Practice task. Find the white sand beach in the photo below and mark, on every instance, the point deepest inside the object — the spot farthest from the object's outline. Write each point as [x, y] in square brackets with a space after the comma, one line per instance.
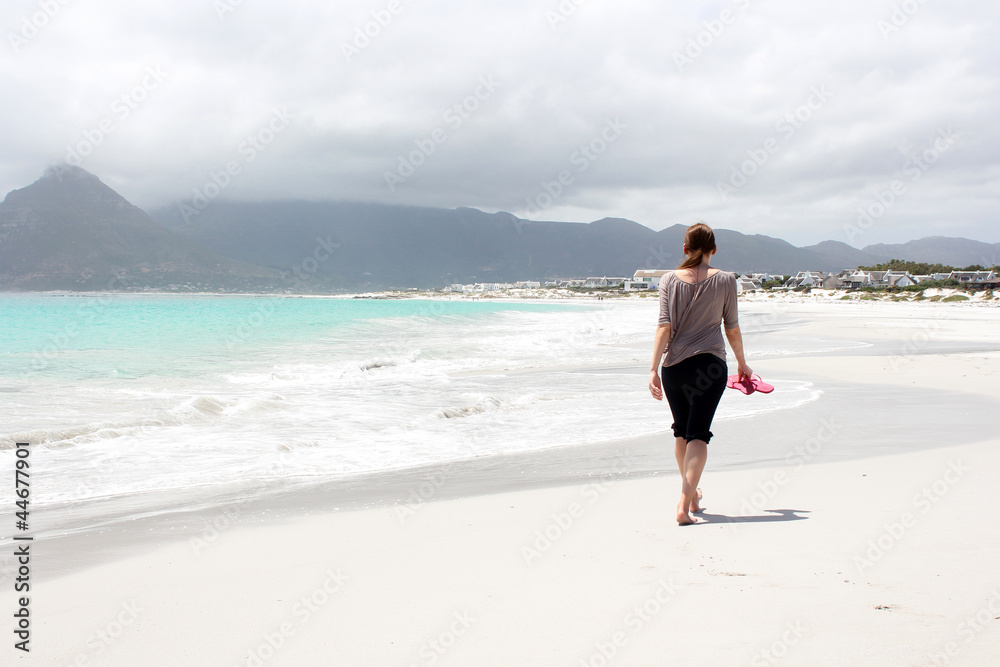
[816, 554]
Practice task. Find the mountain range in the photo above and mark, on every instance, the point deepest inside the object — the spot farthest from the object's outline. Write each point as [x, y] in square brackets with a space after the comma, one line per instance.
[68, 230]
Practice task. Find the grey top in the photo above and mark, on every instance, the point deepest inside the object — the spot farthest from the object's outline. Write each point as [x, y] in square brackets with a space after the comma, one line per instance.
[694, 311]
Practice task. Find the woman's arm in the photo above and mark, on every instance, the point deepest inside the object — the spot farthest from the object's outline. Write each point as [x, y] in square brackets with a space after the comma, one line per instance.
[736, 342]
[659, 345]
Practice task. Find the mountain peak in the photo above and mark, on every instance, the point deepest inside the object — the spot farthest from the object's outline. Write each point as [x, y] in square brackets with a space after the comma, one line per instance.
[65, 171]
[65, 184]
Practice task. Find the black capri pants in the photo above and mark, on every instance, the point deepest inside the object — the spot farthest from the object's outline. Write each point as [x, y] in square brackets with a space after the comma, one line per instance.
[693, 388]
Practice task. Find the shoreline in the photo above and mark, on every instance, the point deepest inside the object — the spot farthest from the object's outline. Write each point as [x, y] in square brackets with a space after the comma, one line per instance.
[889, 346]
[931, 295]
[837, 420]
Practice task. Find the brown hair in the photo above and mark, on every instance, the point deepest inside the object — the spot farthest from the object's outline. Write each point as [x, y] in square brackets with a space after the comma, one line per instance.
[700, 241]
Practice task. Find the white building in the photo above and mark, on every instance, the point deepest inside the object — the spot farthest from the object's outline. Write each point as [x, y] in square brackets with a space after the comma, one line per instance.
[973, 277]
[805, 279]
[898, 279]
[603, 281]
[645, 279]
[766, 277]
[489, 287]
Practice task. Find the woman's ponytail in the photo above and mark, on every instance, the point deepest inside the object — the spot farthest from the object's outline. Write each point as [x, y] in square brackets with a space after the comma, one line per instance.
[700, 241]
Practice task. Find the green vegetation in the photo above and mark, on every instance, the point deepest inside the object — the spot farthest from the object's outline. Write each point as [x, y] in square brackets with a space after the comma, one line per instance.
[920, 287]
[922, 268]
[955, 297]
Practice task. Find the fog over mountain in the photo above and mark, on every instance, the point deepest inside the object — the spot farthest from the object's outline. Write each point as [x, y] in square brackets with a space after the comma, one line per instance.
[68, 230]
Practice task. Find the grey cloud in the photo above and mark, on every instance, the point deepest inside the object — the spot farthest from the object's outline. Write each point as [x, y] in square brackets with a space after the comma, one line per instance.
[562, 76]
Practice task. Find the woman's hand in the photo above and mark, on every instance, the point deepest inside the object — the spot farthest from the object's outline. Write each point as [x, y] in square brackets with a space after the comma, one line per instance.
[745, 371]
[654, 386]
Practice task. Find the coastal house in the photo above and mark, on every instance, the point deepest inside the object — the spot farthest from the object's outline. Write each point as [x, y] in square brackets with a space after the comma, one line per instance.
[766, 277]
[898, 279]
[603, 281]
[877, 278]
[855, 279]
[527, 284]
[490, 287]
[744, 284]
[977, 278]
[645, 279]
[805, 279]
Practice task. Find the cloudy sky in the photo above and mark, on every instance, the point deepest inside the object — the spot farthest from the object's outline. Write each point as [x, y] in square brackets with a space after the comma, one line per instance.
[863, 121]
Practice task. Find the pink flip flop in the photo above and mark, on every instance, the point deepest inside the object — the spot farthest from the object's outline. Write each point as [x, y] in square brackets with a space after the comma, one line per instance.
[745, 386]
[759, 385]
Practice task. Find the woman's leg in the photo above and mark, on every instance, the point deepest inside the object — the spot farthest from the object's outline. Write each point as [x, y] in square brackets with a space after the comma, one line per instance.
[680, 448]
[680, 453]
[695, 456]
[705, 383]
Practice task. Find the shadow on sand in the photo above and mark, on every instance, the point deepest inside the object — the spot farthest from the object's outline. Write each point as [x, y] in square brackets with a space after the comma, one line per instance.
[775, 515]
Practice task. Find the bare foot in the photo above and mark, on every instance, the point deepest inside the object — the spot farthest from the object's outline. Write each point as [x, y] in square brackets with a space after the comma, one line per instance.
[683, 518]
[695, 504]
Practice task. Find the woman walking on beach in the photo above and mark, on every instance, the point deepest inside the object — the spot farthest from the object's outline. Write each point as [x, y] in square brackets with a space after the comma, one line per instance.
[694, 300]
